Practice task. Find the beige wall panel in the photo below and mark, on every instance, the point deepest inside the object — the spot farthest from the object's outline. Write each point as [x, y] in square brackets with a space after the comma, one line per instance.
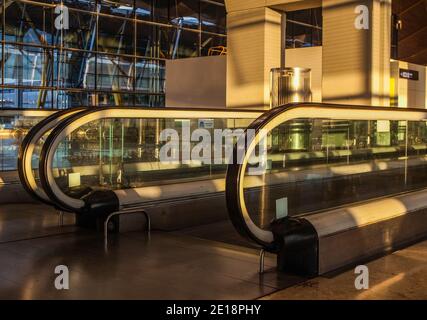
[381, 52]
[238, 5]
[356, 63]
[253, 50]
[346, 54]
[196, 82]
[308, 58]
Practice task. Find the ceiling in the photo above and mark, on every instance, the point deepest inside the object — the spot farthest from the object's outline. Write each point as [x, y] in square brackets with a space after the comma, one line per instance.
[413, 36]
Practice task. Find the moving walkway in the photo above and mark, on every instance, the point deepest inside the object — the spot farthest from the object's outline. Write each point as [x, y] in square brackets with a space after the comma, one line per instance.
[102, 160]
[356, 190]
[322, 186]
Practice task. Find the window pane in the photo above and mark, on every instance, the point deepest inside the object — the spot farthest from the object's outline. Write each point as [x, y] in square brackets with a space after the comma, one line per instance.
[87, 5]
[185, 13]
[143, 9]
[67, 99]
[304, 28]
[115, 99]
[115, 35]
[213, 45]
[146, 100]
[154, 41]
[114, 73]
[25, 98]
[185, 44]
[161, 11]
[150, 76]
[81, 32]
[28, 23]
[123, 8]
[73, 69]
[213, 17]
[27, 66]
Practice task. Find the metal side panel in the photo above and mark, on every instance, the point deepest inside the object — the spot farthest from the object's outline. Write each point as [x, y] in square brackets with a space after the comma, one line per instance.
[353, 234]
[184, 214]
[137, 196]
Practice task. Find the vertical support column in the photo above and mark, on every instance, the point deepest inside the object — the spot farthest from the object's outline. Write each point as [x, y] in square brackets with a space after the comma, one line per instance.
[356, 62]
[283, 40]
[253, 49]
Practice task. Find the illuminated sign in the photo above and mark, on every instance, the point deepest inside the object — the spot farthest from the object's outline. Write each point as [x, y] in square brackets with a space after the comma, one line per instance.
[409, 74]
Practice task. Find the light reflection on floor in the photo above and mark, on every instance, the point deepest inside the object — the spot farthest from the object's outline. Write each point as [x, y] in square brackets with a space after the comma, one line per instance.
[401, 275]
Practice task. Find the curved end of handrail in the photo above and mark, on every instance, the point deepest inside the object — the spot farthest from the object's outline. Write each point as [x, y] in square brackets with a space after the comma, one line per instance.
[22, 154]
[29, 140]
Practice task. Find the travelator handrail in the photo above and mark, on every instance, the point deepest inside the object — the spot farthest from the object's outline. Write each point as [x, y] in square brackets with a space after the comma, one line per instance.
[235, 189]
[27, 148]
[73, 122]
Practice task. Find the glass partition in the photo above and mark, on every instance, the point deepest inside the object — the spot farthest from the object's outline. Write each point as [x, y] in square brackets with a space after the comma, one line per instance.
[14, 125]
[308, 165]
[127, 153]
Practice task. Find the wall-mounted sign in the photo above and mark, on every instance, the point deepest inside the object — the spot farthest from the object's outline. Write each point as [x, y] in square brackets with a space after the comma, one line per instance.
[409, 74]
[206, 123]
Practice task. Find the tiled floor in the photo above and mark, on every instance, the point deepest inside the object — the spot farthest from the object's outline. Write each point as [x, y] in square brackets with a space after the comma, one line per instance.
[164, 266]
[401, 275]
[27, 221]
[207, 262]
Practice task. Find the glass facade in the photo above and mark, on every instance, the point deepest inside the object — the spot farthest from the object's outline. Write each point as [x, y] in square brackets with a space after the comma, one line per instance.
[112, 53]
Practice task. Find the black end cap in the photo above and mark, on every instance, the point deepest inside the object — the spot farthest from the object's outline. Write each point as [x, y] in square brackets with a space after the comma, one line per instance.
[100, 203]
[299, 246]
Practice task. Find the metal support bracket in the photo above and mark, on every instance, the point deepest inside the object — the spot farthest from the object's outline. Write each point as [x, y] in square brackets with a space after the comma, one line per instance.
[61, 218]
[118, 213]
[261, 261]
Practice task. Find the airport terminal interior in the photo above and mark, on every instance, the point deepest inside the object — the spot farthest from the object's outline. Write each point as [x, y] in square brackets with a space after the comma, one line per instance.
[213, 149]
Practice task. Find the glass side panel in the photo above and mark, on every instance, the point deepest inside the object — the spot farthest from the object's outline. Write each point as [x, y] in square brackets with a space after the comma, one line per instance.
[12, 131]
[125, 153]
[309, 165]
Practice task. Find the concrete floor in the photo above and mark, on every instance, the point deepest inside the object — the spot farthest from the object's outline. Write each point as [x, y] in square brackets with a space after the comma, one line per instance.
[134, 266]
